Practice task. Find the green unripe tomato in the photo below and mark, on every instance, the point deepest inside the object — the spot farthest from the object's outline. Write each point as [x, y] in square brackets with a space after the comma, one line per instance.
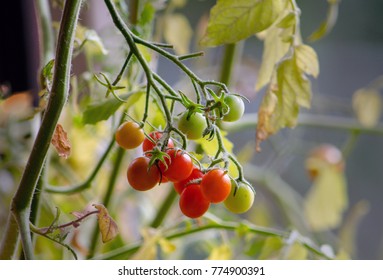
[242, 201]
[236, 108]
[192, 127]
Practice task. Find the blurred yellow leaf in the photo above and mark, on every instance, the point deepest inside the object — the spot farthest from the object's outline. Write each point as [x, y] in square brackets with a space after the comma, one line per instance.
[222, 252]
[296, 252]
[148, 248]
[271, 248]
[347, 234]
[178, 32]
[367, 105]
[166, 246]
[106, 224]
[61, 142]
[326, 200]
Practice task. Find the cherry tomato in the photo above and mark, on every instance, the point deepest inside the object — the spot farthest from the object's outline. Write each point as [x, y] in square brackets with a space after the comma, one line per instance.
[193, 203]
[236, 108]
[216, 185]
[180, 186]
[148, 145]
[129, 135]
[192, 127]
[179, 166]
[242, 200]
[140, 176]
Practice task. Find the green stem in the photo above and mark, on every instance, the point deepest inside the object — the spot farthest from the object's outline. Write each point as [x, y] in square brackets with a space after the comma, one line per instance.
[229, 59]
[107, 198]
[164, 209]
[22, 200]
[230, 226]
[249, 121]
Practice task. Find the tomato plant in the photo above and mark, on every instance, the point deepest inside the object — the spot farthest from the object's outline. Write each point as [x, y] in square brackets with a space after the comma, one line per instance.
[216, 185]
[141, 176]
[129, 135]
[192, 146]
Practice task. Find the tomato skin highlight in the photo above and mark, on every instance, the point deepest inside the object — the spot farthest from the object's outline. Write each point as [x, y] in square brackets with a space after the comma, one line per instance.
[140, 177]
[148, 145]
[193, 203]
[129, 135]
[216, 185]
[180, 186]
[179, 166]
[242, 201]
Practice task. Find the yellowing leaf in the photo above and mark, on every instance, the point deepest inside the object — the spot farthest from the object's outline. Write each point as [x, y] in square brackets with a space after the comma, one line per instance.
[326, 200]
[307, 60]
[275, 48]
[271, 248]
[222, 252]
[367, 105]
[106, 224]
[328, 24]
[348, 232]
[148, 248]
[296, 252]
[166, 246]
[288, 90]
[231, 21]
[92, 42]
[178, 32]
[61, 142]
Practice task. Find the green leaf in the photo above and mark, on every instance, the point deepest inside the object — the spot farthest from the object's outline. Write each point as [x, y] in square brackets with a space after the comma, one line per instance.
[178, 32]
[103, 110]
[275, 48]
[326, 200]
[231, 21]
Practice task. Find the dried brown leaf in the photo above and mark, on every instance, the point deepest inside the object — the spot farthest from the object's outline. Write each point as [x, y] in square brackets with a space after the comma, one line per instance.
[61, 142]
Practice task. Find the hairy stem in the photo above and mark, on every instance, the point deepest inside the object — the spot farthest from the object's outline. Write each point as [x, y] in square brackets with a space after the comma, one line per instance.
[21, 202]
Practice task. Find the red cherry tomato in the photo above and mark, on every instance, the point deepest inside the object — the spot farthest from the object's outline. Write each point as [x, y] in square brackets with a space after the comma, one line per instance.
[140, 177]
[180, 186]
[193, 203]
[179, 166]
[216, 185]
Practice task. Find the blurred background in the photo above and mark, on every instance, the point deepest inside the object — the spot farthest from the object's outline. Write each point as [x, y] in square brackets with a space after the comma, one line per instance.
[351, 58]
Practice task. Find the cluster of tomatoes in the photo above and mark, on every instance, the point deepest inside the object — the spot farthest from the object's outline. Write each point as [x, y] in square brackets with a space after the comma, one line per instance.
[162, 162]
